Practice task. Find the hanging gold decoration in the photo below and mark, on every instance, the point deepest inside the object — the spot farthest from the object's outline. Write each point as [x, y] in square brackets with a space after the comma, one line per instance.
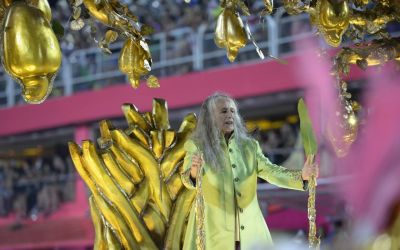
[342, 129]
[295, 7]
[355, 20]
[373, 53]
[135, 60]
[152, 82]
[337, 18]
[376, 52]
[268, 7]
[138, 200]
[332, 20]
[313, 241]
[30, 50]
[230, 33]
[37, 58]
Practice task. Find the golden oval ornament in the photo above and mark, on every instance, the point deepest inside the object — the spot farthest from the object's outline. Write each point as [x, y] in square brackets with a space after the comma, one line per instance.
[30, 50]
[42, 5]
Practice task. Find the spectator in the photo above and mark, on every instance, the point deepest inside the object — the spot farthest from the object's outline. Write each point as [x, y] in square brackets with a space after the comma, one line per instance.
[31, 187]
[270, 144]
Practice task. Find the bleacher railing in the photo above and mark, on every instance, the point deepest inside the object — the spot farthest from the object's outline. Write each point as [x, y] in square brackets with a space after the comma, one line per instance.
[177, 52]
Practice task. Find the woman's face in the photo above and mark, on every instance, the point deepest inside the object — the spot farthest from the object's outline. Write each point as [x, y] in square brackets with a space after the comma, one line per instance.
[225, 113]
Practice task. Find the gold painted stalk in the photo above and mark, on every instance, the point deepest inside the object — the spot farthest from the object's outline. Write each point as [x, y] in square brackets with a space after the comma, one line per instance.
[134, 118]
[99, 226]
[125, 233]
[313, 240]
[174, 184]
[155, 224]
[150, 168]
[125, 183]
[129, 166]
[177, 153]
[177, 222]
[160, 114]
[96, 170]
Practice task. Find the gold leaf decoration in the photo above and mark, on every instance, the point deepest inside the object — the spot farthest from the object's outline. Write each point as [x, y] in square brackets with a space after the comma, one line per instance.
[268, 7]
[146, 30]
[77, 24]
[76, 13]
[111, 36]
[152, 82]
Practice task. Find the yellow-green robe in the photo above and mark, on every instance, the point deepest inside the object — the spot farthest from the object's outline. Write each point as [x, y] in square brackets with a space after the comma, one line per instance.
[232, 193]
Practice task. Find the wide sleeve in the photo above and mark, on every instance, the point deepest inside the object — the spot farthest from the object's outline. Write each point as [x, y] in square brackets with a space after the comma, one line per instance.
[191, 149]
[278, 175]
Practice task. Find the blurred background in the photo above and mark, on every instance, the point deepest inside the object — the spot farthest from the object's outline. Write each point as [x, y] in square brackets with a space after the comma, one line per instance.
[43, 201]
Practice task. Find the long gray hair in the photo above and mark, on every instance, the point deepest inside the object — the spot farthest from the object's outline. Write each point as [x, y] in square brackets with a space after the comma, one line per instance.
[209, 138]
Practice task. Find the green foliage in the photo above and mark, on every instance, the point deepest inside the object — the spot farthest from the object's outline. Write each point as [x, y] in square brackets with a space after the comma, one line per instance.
[306, 129]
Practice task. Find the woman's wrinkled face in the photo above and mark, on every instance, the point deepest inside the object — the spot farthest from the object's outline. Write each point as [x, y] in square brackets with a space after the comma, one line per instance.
[225, 113]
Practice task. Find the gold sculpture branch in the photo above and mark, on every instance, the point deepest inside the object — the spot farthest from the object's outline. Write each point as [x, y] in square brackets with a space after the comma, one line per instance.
[313, 240]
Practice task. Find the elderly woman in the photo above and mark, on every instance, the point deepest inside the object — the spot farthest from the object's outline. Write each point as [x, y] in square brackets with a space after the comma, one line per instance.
[229, 162]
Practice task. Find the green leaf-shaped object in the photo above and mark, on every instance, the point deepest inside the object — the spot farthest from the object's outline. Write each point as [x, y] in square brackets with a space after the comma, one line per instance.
[306, 129]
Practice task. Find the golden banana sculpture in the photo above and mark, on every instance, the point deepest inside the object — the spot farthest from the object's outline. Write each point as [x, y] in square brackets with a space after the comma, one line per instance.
[138, 200]
[30, 52]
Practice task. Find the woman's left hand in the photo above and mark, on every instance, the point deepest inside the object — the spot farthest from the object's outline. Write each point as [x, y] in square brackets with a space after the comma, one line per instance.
[309, 169]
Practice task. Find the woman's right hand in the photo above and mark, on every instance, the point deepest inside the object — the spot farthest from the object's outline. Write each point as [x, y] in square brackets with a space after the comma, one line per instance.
[197, 161]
